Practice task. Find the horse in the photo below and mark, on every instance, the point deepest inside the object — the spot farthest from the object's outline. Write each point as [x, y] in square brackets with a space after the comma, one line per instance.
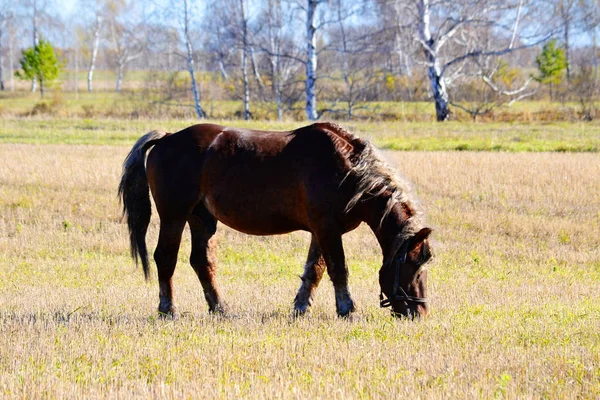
[319, 178]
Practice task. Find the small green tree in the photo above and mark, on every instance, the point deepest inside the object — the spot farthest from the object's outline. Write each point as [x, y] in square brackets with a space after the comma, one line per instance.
[39, 62]
[551, 64]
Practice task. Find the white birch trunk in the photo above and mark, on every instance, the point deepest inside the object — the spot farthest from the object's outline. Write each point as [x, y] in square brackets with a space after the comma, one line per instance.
[77, 70]
[400, 53]
[245, 61]
[120, 68]
[436, 80]
[95, 45]
[224, 73]
[2, 88]
[36, 40]
[345, 66]
[257, 76]
[311, 60]
[275, 26]
[595, 57]
[11, 62]
[407, 67]
[190, 60]
[278, 87]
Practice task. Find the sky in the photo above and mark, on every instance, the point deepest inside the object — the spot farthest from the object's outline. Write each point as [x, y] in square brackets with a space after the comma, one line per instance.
[68, 7]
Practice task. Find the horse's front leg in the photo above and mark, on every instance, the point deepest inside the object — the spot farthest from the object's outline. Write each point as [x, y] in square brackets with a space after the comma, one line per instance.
[313, 272]
[333, 253]
[165, 256]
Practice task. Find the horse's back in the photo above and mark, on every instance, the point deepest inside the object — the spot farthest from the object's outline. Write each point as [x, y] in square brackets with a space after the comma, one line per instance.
[257, 182]
[251, 182]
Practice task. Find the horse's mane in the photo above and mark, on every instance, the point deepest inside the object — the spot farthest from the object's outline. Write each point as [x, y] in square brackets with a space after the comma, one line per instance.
[375, 177]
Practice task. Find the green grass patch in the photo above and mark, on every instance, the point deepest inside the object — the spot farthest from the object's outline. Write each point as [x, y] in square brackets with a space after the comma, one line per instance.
[422, 136]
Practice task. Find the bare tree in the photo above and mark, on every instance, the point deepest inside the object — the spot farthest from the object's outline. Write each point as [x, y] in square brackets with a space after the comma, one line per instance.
[592, 25]
[284, 57]
[567, 12]
[190, 57]
[219, 42]
[126, 35]
[11, 61]
[245, 50]
[311, 58]
[5, 18]
[313, 23]
[94, 12]
[95, 46]
[352, 45]
[237, 31]
[256, 69]
[274, 32]
[449, 35]
[173, 27]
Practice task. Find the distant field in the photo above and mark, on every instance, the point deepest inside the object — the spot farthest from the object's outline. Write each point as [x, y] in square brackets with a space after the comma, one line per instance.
[512, 137]
[515, 288]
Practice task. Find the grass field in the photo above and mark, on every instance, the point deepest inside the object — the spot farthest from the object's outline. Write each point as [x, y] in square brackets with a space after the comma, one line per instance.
[515, 287]
[393, 135]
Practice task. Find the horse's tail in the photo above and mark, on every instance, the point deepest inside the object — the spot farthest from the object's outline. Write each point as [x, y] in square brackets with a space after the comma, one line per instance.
[135, 196]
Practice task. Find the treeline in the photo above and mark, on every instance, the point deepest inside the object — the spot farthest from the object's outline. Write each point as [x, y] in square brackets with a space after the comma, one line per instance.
[472, 55]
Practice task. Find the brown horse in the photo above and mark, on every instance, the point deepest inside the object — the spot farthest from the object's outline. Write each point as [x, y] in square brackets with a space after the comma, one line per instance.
[320, 178]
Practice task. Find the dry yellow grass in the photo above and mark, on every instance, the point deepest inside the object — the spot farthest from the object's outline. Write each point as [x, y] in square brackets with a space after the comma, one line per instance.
[515, 292]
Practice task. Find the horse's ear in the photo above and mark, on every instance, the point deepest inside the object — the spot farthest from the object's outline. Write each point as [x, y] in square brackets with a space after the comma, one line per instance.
[421, 236]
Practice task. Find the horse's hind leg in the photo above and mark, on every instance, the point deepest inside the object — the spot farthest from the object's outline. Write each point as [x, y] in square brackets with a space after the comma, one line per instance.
[204, 258]
[313, 272]
[165, 256]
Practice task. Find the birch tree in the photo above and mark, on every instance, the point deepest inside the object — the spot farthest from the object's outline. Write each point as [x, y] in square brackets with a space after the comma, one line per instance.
[94, 12]
[37, 19]
[36, 36]
[353, 46]
[190, 57]
[311, 58]
[177, 17]
[5, 19]
[236, 29]
[95, 46]
[245, 51]
[36, 9]
[447, 32]
[274, 40]
[592, 25]
[316, 20]
[127, 37]
[285, 58]
[219, 42]
[568, 13]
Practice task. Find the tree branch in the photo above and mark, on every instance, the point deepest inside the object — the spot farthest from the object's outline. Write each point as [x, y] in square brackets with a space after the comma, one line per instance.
[483, 53]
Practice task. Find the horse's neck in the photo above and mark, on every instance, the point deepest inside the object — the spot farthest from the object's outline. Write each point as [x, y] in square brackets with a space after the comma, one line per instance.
[386, 227]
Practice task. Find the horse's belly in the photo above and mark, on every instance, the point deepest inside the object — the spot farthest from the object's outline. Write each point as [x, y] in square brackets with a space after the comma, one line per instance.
[255, 216]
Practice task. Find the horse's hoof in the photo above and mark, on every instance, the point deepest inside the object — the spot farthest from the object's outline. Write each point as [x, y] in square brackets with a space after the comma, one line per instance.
[172, 314]
[300, 310]
[345, 309]
[219, 309]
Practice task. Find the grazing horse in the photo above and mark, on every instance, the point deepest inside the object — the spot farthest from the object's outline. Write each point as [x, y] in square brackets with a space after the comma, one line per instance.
[319, 178]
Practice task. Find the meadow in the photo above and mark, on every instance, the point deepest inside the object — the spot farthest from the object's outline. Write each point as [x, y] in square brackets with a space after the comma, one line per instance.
[514, 288]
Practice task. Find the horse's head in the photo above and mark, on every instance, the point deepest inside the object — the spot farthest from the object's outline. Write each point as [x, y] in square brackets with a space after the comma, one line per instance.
[403, 278]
